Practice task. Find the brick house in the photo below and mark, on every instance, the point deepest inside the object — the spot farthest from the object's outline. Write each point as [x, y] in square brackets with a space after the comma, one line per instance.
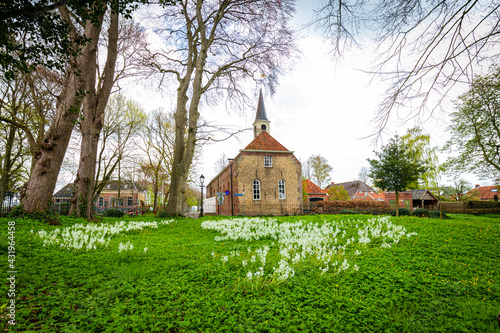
[314, 192]
[487, 193]
[131, 194]
[265, 178]
[358, 190]
[405, 199]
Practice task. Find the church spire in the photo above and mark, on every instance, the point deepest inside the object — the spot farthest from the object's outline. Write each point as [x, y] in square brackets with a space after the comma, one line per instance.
[261, 123]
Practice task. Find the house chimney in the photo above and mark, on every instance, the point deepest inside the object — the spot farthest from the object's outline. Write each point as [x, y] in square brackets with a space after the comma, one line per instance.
[478, 186]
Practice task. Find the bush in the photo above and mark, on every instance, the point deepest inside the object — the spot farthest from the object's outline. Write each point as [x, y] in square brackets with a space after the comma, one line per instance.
[164, 215]
[358, 206]
[46, 217]
[436, 214]
[347, 211]
[402, 212]
[113, 212]
[420, 212]
[483, 204]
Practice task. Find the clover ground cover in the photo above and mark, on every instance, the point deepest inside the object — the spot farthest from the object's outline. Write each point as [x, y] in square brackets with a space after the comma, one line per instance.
[414, 275]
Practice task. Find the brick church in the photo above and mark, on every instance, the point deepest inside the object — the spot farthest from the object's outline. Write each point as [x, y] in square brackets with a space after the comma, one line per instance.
[265, 178]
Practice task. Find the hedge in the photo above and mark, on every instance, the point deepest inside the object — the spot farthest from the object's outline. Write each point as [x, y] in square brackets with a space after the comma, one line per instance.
[483, 204]
[358, 206]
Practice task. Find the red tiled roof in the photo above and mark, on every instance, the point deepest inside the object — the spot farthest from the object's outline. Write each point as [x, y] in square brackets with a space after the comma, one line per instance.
[264, 141]
[487, 192]
[310, 187]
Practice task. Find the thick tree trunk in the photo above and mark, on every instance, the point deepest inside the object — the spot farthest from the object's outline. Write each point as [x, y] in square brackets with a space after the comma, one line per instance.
[94, 106]
[38, 194]
[7, 163]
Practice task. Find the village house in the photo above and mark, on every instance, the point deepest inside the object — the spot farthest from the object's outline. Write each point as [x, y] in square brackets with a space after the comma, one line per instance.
[265, 178]
[314, 192]
[358, 190]
[114, 193]
[487, 193]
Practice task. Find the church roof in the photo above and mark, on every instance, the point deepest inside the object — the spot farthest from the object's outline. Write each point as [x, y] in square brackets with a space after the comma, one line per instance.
[264, 141]
[261, 109]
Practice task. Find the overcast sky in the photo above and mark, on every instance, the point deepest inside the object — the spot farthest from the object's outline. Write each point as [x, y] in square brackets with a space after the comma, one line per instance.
[321, 107]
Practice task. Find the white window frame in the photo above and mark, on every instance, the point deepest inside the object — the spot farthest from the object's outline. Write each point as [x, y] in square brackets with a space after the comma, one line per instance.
[281, 189]
[268, 161]
[256, 189]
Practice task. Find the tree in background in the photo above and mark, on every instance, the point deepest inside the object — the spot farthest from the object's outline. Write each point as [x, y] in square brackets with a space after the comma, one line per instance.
[426, 47]
[158, 141]
[320, 169]
[363, 175]
[213, 48]
[221, 163]
[123, 122]
[418, 144]
[395, 168]
[338, 193]
[475, 129]
[459, 189]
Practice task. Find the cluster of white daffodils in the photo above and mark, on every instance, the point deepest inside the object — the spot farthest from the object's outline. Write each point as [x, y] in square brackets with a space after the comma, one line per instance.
[328, 244]
[125, 247]
[91, 236]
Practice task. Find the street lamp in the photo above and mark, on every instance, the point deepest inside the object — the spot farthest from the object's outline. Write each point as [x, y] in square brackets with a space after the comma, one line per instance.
[202, 179]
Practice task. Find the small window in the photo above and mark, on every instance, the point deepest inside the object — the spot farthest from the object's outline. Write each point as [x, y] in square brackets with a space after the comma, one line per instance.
[268, 161]
[101, 201]
[263, 127]
[281, 189]
[494, 190]
[256, 189]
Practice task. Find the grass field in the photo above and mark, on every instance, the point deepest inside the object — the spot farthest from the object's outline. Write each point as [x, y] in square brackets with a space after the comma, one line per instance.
[323, 273]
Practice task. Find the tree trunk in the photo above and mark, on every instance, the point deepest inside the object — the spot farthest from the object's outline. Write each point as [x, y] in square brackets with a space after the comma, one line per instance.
[38, 194]
[7, 163]
[94, 106]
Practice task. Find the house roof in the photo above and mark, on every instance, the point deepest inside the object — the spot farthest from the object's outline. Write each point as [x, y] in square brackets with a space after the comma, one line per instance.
[353, 187]
[310, 187]
[112, 185]
[487, 192]
[261, 109]
[419, 195]
[66, 192]
[264, 141]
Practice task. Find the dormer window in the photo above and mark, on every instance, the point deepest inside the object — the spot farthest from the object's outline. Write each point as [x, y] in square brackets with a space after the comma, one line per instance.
[268, 161]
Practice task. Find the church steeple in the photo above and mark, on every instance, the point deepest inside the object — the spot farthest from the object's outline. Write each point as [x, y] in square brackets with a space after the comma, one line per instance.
[261, 122]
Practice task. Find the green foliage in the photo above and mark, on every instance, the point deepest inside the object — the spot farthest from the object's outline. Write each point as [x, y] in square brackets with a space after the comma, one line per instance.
[483, 204]
[113, 212]
[495, 197]
[436, 214]
[320, 169]
[164, 214]
[347, 211]
[418, 145]
[395, 167]
[401, 212]
[442, 281]
[475, 129]
[420, 212]
[47, 217]
[338, 193]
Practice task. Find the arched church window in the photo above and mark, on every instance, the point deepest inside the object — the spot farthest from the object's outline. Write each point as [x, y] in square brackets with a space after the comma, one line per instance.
[256, 189]
[281, 189]
[263, 127]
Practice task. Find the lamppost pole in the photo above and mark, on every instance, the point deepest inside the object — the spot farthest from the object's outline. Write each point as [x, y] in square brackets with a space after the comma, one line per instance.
[202, 179]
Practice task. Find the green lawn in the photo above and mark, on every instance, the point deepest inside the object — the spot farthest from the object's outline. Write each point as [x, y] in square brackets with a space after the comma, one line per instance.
[403, 275]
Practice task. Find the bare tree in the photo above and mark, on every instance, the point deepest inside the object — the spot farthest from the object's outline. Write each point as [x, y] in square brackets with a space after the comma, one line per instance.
[158, 147]
[214, 47]
[425, 47]
[123, 121]
[363, 174]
